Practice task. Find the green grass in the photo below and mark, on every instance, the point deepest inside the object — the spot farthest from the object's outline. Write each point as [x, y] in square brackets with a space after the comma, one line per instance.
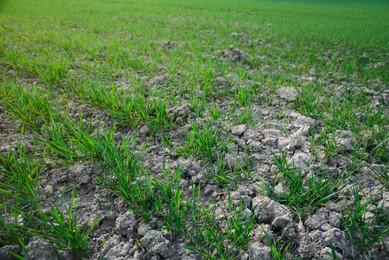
[217, 239]
[301, 192]
[365, 225]
[21, 216]
[137, 62]
[204, 141]
[64, 231]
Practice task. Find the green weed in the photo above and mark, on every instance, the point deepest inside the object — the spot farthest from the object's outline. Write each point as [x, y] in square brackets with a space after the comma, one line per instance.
[203, 141]
[365, 226]
[301, 192]
[64, 231]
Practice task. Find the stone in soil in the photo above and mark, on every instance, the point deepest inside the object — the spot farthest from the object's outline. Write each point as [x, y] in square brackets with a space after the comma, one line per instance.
[115, 248]
[39, 248]
[295, 140]
[287, 93]
[277, 215]
[238, 130]
[259, 251]
[155, 243]
[125, 224]
[301, 160]
[317, 244]
[234, 54]
[323, 220]
[234, 161]
[385, 202]
[166, 44]
[220, 81]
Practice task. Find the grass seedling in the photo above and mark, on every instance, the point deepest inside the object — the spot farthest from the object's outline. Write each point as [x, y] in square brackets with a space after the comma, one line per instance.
[142, 199]
[58, 140]
[244, 116]
[243, 95]
[52, 74]
[207, 238]
[333, 252]
[155, 116]
[169, 205]
[203, 141]
[365, 225]
[301, 192]
[279, 250]
[64, 231]
[307, 102]
[12, 234]
[197, 105]
[33, 107]
[239, 224]
[214, 111]
[120, 166]
[329, 142]
[19, 180]
[218, 239]
[220, 172]
[382, 174]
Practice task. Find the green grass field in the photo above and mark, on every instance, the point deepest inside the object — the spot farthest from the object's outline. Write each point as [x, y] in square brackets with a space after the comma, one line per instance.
[173, 108]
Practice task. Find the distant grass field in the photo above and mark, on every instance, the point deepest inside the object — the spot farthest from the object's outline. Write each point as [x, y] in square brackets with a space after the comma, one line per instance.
[356, 22]
[138, 60]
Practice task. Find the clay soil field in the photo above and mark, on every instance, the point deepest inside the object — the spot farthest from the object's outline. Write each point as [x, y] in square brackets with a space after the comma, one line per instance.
[168, 129]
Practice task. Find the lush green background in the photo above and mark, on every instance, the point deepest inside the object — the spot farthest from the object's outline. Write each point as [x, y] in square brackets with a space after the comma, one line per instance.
[326, 21]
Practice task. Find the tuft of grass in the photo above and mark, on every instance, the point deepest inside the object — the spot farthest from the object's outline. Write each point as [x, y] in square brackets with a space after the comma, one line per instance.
[217, 239]
[12, 233]
[279, 250]
[244, 95]
[382, 174]
[130, 108]
[169, 204]
[350, 110]
[21, 216]
[244, 116]
[64, 231]
[221, 173]
[302, 192]
[34, 107]
[19, 180]
[57, 139]
[214, 111]
[203, 141]
[365, 225]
